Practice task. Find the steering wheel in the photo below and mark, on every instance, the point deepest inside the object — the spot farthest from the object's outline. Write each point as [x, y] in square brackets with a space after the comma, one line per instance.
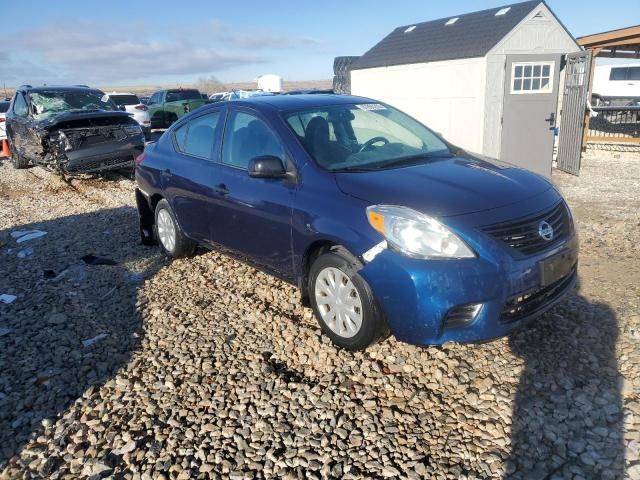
[369, 143]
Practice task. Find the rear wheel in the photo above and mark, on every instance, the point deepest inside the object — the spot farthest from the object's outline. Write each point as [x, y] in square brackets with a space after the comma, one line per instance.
[171, 239]
[344, 303]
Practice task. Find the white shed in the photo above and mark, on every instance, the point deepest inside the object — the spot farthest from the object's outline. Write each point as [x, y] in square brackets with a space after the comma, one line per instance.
[488, 81]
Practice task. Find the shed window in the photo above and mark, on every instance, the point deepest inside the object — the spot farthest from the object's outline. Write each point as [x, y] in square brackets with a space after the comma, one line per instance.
[532, 77]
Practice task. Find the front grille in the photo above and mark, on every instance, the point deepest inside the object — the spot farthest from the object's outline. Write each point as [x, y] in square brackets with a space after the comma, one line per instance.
[522, 234]
[99, 165]
[525, 304]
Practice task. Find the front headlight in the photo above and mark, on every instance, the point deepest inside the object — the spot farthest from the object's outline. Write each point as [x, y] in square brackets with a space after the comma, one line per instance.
[415, 234]
[132, 130]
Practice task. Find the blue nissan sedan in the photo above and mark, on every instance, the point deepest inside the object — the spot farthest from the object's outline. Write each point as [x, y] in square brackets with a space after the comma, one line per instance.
[383, 225]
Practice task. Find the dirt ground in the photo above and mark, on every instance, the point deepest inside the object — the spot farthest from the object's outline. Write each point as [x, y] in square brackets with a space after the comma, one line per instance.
[116, 362]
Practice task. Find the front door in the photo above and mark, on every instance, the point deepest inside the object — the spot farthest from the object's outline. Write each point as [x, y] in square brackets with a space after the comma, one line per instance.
[529, 111]
[19, 137]
[254, 214]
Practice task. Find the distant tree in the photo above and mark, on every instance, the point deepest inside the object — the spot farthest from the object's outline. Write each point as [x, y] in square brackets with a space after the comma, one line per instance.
[209, 84]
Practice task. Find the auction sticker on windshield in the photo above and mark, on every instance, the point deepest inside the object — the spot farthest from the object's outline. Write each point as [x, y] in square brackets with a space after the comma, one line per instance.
[370, 106]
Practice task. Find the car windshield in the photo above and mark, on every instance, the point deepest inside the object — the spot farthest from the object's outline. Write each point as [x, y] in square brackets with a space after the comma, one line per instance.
[363, 137]
[177, 95]
[52, 102]
[124, 99]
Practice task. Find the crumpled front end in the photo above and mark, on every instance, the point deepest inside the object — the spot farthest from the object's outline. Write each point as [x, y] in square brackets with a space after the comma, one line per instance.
[90, 145]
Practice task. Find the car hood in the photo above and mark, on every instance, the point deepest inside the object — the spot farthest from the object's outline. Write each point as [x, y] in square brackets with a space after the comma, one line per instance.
[66, 117]
[445, 187]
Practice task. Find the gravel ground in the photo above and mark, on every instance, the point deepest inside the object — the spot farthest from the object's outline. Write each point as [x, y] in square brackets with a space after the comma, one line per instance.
[205, 367]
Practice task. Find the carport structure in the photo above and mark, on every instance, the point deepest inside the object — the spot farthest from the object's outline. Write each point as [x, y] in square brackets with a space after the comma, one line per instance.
[612, 124]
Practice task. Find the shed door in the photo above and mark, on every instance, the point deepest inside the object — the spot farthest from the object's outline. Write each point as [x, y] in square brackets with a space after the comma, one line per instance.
[529, 110]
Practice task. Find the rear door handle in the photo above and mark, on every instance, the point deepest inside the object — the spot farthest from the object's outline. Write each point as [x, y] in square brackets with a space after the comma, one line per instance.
[221, 189]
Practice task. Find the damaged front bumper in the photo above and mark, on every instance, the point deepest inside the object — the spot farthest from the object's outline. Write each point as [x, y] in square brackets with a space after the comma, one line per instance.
[92, 149]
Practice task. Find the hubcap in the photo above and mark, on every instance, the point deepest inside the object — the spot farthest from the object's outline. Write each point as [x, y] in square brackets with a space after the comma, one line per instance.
[166, 230]
[338, 302]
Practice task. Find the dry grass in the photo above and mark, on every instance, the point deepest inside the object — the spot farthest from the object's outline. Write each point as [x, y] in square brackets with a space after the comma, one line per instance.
[223, 87]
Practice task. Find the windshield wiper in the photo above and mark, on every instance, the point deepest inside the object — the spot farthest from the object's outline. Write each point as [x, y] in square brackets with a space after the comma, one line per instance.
[82, 110]
[412, 158]
[394, 162]
[355, 168]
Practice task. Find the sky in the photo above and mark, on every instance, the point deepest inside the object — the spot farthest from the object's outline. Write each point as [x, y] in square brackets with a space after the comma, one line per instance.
[144, 42]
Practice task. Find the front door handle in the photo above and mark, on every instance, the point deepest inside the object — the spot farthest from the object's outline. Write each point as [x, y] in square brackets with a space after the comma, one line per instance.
[221, 189]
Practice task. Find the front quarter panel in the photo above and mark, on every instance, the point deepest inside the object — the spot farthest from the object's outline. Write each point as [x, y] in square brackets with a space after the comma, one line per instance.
[323, 213]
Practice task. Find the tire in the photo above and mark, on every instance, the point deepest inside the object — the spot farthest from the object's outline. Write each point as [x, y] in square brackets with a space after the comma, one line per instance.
[18, 162]
[171, 119]
[171, 239]
[361, 299]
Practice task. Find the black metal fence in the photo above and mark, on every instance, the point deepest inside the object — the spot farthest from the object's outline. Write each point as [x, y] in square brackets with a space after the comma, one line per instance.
[614, 125]
[342, 74]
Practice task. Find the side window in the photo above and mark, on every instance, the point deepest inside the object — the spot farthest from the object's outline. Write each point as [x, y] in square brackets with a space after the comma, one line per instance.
[197, 137]
[155, 98]
[247, 137]
[634, 73]
[20, 107]
[618, 73]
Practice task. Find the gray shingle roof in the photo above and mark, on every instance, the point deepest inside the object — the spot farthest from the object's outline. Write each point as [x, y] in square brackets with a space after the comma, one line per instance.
[472, 35]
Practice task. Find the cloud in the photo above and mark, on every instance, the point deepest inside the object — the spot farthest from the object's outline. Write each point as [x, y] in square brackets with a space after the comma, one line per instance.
[90, 52]
[256, 39]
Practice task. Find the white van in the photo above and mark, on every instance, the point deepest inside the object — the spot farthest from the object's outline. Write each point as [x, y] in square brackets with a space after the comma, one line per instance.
[616, 84]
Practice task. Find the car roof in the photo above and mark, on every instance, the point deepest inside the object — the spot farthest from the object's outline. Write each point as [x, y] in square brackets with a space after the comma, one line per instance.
[58, 88]
[294, 102]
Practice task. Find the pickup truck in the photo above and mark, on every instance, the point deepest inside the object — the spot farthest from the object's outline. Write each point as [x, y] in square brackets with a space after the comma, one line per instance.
[166, 106]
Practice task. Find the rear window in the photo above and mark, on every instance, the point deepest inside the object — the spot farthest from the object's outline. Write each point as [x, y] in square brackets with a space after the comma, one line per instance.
[177, 95]
[125, 99]
[4, 106]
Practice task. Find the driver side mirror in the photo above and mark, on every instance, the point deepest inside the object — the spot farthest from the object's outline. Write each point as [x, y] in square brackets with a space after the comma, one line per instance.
[266, 166]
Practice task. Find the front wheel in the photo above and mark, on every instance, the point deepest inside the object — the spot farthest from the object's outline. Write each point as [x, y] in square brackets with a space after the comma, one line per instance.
[18, 162]
[344, 303]
[171, 239]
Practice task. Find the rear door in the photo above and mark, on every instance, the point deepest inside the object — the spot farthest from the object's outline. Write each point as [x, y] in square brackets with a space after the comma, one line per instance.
[254, 214]
[529, 111]
[190, 177]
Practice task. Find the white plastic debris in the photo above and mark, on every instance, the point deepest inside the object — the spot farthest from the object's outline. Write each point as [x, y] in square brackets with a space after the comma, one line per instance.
[26, 235]
[6, 298]
[25, 252]
[90, 341]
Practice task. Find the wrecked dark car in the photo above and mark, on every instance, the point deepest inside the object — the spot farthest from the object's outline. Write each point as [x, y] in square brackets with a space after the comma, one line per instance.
[71, 130]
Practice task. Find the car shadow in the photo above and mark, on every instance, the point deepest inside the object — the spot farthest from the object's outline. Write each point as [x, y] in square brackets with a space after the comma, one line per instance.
[74, 320]
[567, 417]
